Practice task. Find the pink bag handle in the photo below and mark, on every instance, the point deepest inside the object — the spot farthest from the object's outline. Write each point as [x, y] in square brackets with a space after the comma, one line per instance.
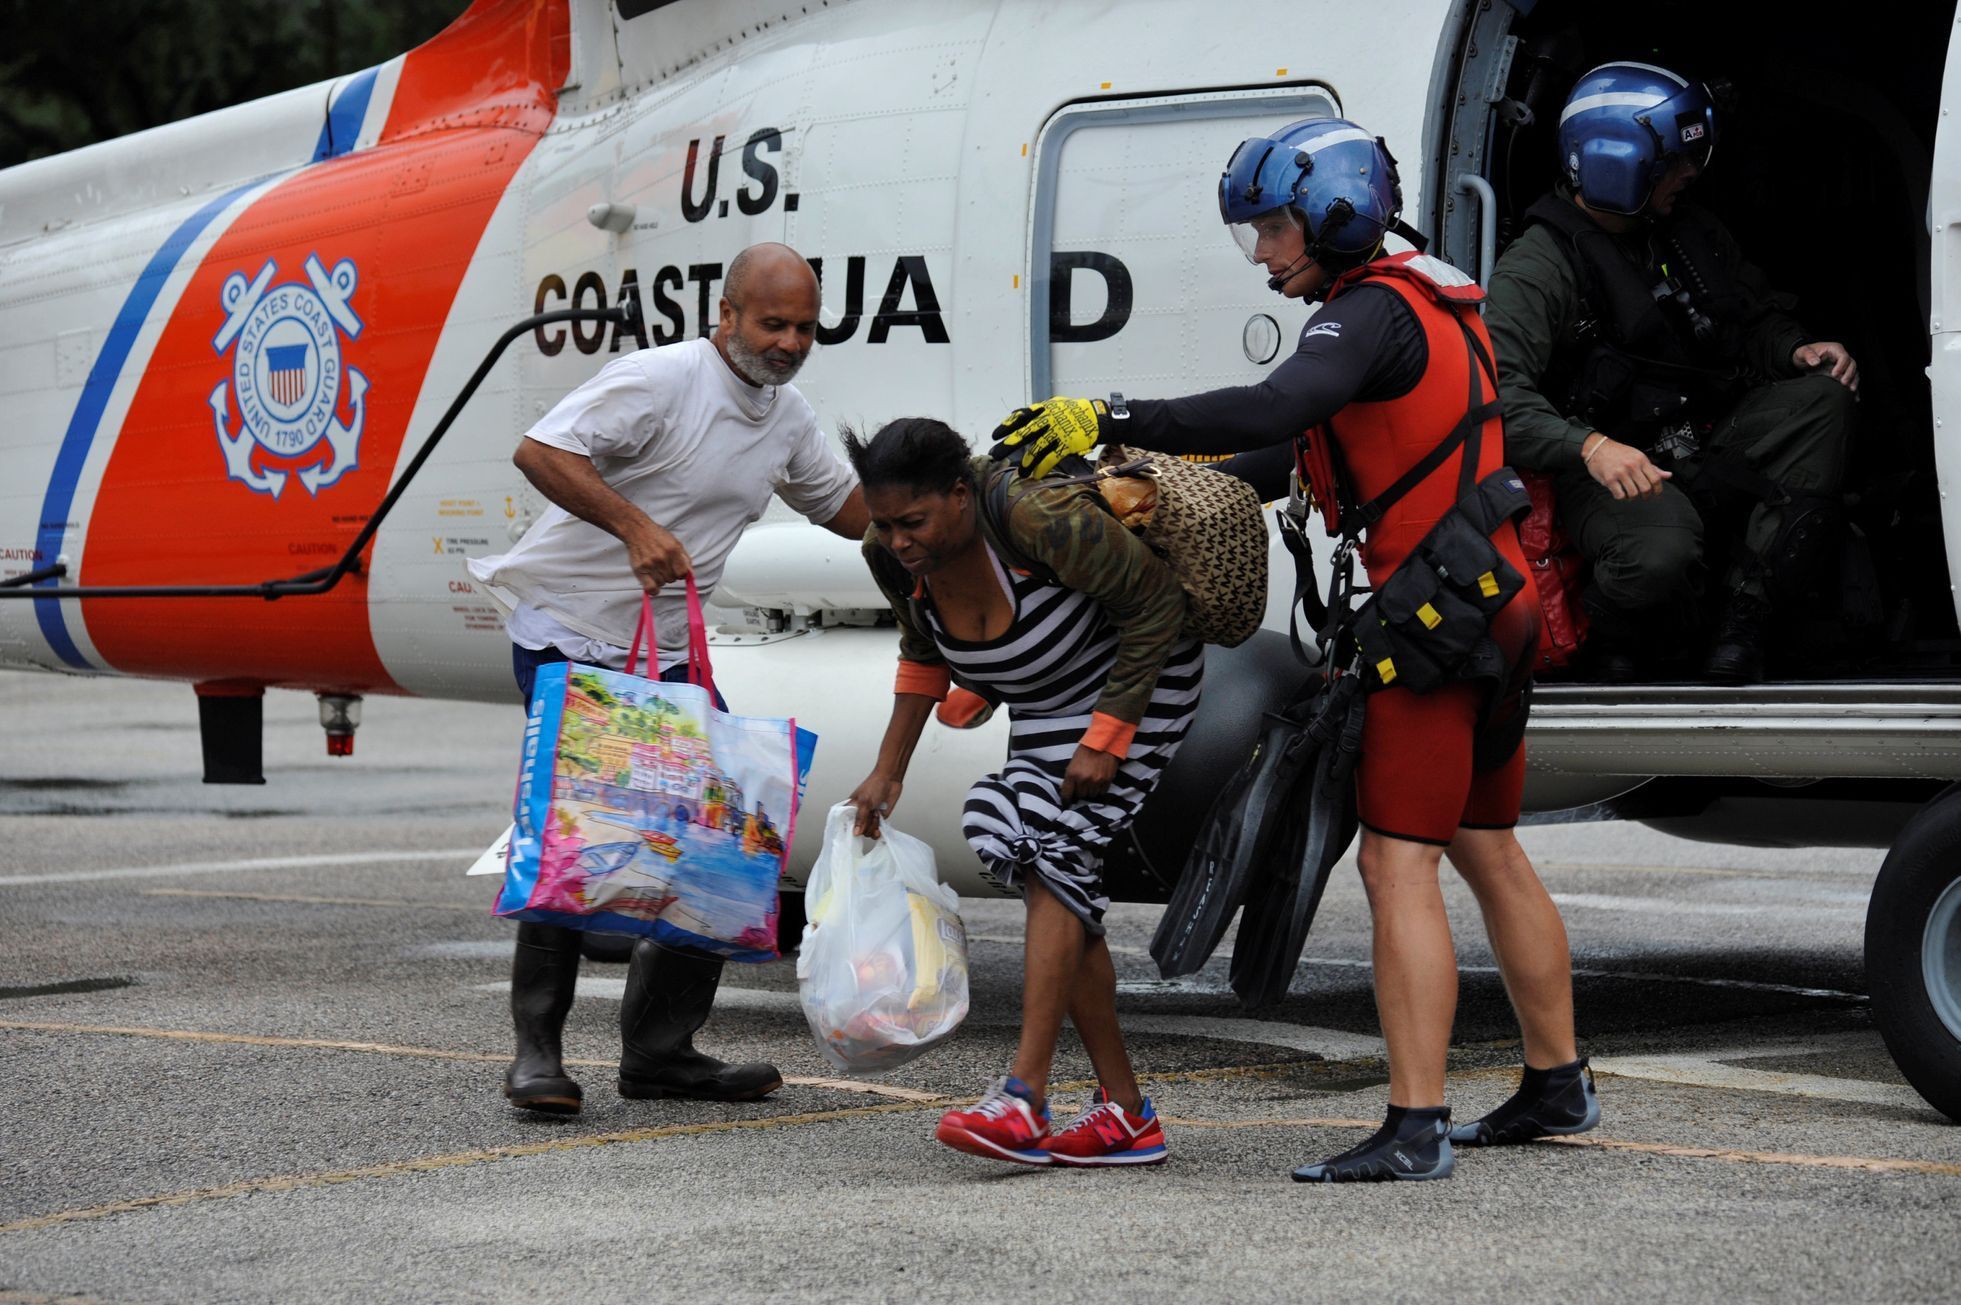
[699, 671]
[643, 634]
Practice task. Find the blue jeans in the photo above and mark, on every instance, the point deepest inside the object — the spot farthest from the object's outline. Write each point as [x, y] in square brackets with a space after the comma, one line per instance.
[526, 661]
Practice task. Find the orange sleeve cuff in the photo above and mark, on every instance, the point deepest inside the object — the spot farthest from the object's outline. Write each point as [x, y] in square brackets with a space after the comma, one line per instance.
[1108, 734]
[929, 681]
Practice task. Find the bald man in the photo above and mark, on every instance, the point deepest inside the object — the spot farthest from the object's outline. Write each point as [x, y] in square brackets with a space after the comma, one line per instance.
[654, 468]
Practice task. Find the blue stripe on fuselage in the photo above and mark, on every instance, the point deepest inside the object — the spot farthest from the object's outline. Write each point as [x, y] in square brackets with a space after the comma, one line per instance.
[101, 383]
[343, 125]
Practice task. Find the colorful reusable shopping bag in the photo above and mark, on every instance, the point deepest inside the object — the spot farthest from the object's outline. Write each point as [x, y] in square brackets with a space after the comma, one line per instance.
[642, 809]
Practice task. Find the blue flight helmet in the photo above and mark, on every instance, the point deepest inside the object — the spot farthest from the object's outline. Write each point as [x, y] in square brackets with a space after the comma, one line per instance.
[1625, 125]
[1339, 182]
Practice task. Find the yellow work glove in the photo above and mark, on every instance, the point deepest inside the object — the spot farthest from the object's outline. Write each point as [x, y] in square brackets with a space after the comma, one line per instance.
[1046, 433]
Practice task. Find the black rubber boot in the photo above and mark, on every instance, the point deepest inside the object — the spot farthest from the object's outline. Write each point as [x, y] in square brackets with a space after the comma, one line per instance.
[544, 972]
[1413, 1144]
[1737, 656]
[1549, 1103]
[668, 994]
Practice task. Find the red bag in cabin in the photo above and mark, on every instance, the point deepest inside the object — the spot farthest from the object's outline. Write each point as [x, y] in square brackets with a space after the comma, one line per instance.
[1558, 571]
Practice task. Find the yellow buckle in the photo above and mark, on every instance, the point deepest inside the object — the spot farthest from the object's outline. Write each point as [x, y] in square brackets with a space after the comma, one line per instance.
[1488, 585]
[1386, 669]
[1428, 615]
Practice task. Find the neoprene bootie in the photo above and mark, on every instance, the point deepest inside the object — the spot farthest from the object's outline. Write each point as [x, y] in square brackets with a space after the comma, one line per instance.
[1413, 1144]
[668, 995]
[1549, 1103]
[544, 972]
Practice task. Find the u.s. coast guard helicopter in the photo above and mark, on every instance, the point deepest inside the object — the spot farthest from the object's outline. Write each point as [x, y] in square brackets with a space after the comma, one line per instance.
[228, 347]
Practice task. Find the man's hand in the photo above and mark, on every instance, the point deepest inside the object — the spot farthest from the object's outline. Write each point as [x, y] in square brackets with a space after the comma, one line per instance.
[874, 799]
[1625, 470]
[573, 483]
[1047, 433]
[656, 556]
[1826, 354]
[1089, 775]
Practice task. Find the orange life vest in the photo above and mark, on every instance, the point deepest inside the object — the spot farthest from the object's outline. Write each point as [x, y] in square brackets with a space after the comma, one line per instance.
[1375, 443]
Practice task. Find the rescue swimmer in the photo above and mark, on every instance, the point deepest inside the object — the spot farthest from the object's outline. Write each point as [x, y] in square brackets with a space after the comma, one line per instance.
[1394, 386]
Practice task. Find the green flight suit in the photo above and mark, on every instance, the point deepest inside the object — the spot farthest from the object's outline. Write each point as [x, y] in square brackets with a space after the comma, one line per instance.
[1647, 554]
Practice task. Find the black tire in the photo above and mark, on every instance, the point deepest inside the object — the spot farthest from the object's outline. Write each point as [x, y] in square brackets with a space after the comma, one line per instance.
[1913, 952]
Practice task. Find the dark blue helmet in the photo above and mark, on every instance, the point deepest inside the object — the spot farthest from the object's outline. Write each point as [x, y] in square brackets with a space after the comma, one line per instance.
[1340, 180]
[1624, 125]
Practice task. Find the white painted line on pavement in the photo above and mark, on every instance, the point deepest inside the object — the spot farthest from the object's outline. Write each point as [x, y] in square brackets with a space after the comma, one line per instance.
[1334, 1044]
[1665, 906]
[462, 855]
[1705, 1069]
[494, 949]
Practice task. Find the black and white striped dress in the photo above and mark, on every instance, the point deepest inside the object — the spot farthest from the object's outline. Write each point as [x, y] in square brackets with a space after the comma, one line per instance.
[1048, 669]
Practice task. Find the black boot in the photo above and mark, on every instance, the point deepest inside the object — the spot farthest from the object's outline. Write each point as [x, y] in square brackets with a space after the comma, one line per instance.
[1737, 656]
[1615, 646]
[668, 994]
[544, 971]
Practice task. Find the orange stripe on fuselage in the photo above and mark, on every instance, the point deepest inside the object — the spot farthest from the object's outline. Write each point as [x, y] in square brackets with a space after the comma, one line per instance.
[468, 108]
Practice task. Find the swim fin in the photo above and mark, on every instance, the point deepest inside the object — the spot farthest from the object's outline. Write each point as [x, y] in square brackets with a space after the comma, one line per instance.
[1237, 838]
[1320, 822]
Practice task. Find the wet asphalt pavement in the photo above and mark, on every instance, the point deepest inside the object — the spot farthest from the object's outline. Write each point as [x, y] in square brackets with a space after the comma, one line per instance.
[252, 1039]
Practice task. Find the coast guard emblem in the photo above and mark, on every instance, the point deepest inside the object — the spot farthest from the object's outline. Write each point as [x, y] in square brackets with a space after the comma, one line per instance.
[286, 369]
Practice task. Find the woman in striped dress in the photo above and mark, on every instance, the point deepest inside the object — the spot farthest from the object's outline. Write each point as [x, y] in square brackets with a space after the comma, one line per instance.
[1074, 625]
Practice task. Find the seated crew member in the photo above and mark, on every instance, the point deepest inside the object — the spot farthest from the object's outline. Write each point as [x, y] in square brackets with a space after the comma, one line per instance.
[654, 468]
[1100, 687]
[1384, 370]
[1643, 364]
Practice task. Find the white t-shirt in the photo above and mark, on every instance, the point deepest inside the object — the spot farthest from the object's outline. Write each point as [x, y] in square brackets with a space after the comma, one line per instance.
[696, 448]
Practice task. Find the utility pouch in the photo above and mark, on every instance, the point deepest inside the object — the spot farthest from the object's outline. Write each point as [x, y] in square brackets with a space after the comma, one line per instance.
[1426, 624]
[1416, 630]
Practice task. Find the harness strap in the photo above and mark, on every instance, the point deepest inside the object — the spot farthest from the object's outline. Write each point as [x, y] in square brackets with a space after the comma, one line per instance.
[1330, 617]
[1326, 617]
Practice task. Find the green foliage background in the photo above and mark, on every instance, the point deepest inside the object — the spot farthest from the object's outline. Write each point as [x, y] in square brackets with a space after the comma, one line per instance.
[84, 71]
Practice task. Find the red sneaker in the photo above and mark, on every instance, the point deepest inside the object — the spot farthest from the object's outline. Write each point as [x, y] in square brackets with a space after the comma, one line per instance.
[1107, 1134]
[1002, 1125]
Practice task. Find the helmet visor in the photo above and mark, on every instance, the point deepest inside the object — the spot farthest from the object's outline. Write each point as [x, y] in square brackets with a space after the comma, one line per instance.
[1684, 126]
[1263, 235]
[1262, 174]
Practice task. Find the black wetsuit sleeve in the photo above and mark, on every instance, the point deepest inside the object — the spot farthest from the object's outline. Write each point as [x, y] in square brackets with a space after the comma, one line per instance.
[1269, 470]
[1365, 346]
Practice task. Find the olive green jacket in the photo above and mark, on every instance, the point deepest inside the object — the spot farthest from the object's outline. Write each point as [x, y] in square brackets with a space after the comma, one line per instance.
[1534, 301]
[1066, 529]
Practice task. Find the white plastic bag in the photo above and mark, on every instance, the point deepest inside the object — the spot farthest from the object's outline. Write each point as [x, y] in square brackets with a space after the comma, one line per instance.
[883, 968]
